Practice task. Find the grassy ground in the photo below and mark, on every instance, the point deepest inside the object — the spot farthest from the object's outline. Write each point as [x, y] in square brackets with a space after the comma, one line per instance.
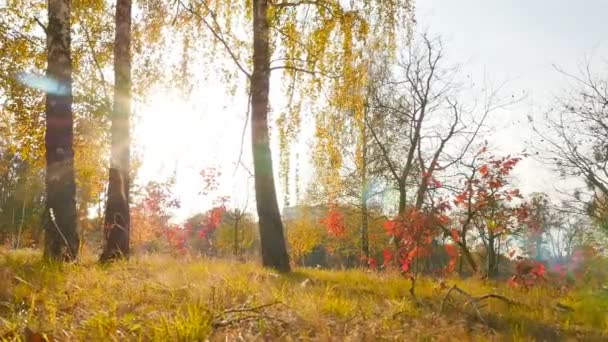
[166, 299]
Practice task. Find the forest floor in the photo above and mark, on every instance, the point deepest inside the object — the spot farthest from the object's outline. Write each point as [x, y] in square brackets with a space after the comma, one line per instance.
[163, 298]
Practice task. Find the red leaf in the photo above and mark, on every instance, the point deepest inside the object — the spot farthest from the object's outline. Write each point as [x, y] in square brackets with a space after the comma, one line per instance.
[334, 222]
[373, 263]
[391, 228]
[484, 170]
[387, 256]
[452, 250]
[455, 234]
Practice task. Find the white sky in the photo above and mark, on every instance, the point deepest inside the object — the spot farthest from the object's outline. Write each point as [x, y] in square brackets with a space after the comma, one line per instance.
[517, 41]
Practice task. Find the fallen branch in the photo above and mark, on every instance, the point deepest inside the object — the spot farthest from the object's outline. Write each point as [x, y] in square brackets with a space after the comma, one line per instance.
[23, 281]
[240, 315]
[254, 309]
[475, 301]
[563, 308]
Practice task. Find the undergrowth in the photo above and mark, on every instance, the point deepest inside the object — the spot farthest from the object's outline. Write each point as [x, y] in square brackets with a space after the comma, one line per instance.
[161, 298]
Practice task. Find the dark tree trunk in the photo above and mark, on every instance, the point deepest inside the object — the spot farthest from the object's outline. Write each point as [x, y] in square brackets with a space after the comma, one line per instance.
[236, 234]
[364, 228]
[60, 226]
[117, 218]
[492, 258]
[401, 210]
[402, 198]
[274, 251]
[364, 195]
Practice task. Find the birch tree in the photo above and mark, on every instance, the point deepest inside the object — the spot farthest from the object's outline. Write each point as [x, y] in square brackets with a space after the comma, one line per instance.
[117, 215]
[311, 42]
[62, 239]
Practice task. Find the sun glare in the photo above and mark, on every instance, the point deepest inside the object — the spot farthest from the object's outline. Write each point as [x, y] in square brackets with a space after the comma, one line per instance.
[177, 136]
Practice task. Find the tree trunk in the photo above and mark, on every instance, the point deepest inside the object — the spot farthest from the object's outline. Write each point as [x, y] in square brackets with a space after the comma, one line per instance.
[61, 235]
[274, 252]
[401, 210]
[539, 245]
[364, 195]
[236, 235]
[20, 229]
[469, 258]
[402, 198]
[492, 258]
[117, 216]
[364, 227]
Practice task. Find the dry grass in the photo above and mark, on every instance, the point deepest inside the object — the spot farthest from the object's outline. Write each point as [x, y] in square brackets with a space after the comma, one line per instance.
[161, 298]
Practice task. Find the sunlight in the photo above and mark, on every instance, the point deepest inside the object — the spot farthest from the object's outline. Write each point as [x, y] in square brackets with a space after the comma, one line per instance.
[179, 137]
[166, 130]
[423, 171]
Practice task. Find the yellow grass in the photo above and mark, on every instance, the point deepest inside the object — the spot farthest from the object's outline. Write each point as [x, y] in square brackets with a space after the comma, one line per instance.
[161, 298]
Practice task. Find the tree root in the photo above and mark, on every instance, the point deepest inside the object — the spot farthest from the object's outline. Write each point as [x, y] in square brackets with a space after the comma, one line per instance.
[475, 301]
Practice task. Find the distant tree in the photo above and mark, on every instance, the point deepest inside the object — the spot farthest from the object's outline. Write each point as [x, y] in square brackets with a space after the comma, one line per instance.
[62, 241]
[151, 212]
[361, 173]
[539, 225]
[236, 233]
[573, 137]
[304, 233]
[309, 37]
[424, 130]
[555, 231]
[117, 216]
[489, 209]
[21, 200]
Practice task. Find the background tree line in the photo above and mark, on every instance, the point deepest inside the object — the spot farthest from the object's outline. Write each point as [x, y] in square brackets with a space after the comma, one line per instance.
[402, 166]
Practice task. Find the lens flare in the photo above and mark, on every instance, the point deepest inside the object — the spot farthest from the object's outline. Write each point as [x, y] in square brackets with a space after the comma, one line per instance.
[44, 83]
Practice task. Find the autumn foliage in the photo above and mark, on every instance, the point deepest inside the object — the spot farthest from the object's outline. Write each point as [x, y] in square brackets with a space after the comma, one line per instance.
[528, 273]
[488, 208]
[334, 221]
[414, 233]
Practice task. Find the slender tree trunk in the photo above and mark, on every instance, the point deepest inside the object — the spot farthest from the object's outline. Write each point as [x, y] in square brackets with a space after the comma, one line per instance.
[117, 216]
[236, 235]
[469, 258]
[364, 195]
[539, 245]
[20, 229]
[401, 210]
[13, 243]
[61, 235]
[402, 198]
[422, 191]
[492, 258]
[364, 227]
[274, 251]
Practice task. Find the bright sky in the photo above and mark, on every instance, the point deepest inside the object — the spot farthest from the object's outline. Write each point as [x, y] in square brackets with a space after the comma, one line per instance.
[517, 41]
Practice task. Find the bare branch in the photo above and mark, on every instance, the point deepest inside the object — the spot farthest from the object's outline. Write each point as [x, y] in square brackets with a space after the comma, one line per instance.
[216, 33]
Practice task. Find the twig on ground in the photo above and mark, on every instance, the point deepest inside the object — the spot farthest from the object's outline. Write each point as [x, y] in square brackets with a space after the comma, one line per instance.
[240, 315]
[21, 280]
[474, 301]
[254, 309]
[563, 308]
